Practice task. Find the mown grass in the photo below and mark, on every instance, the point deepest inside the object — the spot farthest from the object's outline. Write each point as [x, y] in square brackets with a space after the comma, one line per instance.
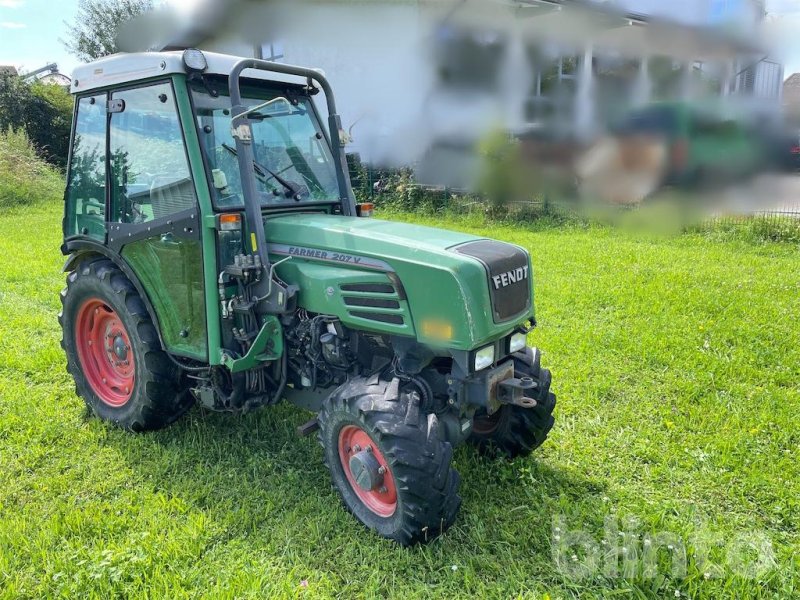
[677, 366]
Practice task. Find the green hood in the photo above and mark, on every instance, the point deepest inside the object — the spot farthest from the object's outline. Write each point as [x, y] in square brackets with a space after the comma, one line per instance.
[344, 266]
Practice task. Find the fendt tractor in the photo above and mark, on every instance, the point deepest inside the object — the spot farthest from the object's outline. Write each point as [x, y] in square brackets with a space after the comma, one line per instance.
[217, 256]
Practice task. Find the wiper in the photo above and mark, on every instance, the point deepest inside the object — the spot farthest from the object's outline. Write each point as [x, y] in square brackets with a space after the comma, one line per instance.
[292, 189]
[259, 116]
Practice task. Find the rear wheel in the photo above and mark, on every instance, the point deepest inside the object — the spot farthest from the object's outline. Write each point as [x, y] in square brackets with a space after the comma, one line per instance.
[387, 461]
[513, 430]
[113, 351]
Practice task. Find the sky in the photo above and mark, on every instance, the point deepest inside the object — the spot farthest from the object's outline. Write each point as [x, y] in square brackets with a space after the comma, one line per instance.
[30, 31]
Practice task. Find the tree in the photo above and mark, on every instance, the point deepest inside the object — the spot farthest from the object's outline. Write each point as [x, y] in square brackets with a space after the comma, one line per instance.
[43, 111]
[93, 33]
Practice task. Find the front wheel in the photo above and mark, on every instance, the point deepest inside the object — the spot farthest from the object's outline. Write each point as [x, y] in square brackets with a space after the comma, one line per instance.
[113, 351]
[513, 430]
[388, 462]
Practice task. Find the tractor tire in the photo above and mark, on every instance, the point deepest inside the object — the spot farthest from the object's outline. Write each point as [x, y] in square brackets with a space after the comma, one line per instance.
[114, 353]
[388, 462]
[513, 430]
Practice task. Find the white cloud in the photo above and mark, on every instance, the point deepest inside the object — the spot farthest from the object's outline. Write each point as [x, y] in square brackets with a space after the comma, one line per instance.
[11, 3]
[12, 25]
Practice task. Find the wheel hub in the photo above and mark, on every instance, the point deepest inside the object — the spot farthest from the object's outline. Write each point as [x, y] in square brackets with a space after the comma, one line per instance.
[120, 348]
[366, 470]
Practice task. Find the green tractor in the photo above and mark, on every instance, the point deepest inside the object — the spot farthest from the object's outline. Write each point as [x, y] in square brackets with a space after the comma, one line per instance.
[216, 256]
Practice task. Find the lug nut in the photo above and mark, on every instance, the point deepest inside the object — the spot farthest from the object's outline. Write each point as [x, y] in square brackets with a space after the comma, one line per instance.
[381, 470]
[383, 489]
[357, 448]
[368, 448]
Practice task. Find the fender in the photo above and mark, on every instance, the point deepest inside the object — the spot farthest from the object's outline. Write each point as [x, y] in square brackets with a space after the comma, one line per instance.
[79, 250]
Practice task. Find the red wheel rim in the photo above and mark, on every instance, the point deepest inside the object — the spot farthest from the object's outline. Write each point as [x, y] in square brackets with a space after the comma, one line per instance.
[486, 424]
[104, 351]
[382, 498]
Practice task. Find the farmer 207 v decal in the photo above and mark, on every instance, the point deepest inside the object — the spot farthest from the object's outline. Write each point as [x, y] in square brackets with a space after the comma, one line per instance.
[216, 256]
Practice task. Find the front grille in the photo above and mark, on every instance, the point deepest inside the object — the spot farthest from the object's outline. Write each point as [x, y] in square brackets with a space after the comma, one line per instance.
[509, 276]
[374, 295]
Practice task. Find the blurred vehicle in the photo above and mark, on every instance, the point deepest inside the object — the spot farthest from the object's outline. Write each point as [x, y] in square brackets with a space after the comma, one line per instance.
[668, 144]
[794, 153]
[787, 147]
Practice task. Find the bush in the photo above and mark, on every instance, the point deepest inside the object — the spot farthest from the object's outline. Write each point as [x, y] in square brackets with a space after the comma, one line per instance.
[24, 177]
[43, 111]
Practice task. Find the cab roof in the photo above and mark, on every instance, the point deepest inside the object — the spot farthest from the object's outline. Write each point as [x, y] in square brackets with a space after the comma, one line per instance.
[125, 68]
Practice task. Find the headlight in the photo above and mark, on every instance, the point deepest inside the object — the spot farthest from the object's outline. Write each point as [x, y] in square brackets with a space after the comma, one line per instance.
[484, 357]
[517, 342]
[194, 60]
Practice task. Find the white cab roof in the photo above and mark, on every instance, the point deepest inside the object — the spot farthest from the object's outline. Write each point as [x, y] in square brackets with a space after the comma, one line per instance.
[123, 68]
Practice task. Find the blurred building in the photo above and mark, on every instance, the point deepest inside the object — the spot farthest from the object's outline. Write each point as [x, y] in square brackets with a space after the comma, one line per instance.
[791, 95]
[413, 74]
[48, 74]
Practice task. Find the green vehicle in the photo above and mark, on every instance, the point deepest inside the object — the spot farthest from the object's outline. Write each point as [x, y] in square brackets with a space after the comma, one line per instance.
[703, 147]
[216, 256]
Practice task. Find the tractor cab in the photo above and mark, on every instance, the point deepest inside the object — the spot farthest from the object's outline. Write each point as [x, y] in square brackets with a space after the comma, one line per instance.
[216, 256]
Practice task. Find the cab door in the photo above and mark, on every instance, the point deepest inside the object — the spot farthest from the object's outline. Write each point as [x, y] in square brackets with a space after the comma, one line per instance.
[154, 219]
[85, 207]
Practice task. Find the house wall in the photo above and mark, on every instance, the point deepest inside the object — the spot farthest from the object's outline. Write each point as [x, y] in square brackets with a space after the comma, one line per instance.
[376, 57]
[371, 55]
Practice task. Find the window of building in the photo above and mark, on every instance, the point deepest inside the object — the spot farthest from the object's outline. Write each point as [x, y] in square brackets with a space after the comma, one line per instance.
[273, 52]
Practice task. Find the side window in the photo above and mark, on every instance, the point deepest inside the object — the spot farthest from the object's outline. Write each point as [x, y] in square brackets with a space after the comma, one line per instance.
[86, 191]
[150, 175]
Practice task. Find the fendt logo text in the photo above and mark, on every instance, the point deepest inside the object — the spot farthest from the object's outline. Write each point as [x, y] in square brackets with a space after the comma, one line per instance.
[510, 277]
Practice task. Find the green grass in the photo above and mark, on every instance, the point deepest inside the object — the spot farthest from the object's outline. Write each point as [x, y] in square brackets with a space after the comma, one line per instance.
[24, 177]
[677, 366]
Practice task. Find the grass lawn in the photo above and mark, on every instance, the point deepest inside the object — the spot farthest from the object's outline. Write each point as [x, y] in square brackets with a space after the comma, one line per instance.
[677, 367]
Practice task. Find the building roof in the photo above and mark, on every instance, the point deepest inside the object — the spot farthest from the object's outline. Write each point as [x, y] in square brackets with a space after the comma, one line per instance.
[571, 21]
[55, 79]
[792, 83]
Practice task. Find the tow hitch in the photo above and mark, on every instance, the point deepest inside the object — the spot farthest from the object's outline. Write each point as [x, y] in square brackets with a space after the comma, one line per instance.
[513, 389]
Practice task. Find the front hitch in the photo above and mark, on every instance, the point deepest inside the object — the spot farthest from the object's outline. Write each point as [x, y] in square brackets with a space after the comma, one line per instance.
[493, 388]
[513, 390]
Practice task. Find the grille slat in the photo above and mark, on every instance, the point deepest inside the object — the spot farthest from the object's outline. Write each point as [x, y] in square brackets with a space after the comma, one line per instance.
[379, 317]
[371, 302]
[369, 288]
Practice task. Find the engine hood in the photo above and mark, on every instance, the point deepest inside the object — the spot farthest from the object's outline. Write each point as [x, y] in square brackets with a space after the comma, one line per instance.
[448, 288]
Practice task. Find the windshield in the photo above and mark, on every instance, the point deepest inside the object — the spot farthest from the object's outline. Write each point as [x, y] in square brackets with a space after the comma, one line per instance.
[293, 162]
